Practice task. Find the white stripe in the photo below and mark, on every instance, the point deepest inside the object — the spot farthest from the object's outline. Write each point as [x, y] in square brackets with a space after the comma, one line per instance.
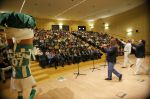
[19, 34]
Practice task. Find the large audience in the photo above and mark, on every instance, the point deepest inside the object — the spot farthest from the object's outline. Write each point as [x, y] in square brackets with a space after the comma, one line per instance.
[96, 39]
[58, 48]
[53, 48]
[93, 38]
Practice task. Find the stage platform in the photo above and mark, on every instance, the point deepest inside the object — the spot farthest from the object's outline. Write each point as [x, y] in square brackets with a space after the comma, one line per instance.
[61, 83]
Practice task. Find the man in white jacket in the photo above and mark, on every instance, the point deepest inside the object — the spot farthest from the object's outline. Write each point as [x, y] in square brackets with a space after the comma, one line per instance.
[127, 52]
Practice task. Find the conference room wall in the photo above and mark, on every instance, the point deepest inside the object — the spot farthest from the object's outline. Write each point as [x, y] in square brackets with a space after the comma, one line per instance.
[73, 25]
[138, 19]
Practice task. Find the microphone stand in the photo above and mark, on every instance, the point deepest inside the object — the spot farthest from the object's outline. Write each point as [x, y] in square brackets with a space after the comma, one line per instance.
[78, 72]
[105, 62]
[93, 68]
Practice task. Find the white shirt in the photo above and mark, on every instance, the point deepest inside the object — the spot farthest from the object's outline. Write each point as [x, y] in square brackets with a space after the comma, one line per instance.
[127, 47]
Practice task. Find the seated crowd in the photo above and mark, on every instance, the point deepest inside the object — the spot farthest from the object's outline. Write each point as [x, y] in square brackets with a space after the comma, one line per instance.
[58, 48]
[93, 38]
[5, 64]
[54, 48]
[97, 39]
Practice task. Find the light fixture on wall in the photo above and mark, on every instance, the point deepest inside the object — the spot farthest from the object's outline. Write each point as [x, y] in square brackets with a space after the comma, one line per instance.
[60, 25]
[106, 26]
[91, 26]
[129, 32]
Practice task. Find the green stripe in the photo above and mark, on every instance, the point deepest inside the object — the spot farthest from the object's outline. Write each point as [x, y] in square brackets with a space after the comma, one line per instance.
[18, 72]
[28, 71]
[25, 62]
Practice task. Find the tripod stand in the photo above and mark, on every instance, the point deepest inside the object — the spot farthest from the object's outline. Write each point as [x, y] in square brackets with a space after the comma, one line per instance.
[105, 63]
[93, 68]
[78, 73]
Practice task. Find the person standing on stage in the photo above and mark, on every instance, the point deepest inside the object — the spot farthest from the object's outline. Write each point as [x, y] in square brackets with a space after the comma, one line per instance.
[127, 52]
[140, 55]
[112, 52]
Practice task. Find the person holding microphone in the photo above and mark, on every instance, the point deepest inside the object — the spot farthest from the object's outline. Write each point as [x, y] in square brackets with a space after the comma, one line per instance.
[111, 50]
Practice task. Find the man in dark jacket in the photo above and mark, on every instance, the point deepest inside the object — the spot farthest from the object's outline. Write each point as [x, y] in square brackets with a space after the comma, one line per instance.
[111, 51]
[140, 55]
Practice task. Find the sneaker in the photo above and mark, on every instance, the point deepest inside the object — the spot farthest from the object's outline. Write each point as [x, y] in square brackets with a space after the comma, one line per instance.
[120, 78]
[108, 79]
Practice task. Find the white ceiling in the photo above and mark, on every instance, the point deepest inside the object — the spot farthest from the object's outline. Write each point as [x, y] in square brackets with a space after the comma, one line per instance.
[70, 9]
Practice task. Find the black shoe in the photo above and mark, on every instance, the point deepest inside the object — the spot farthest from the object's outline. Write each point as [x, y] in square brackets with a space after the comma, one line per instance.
[108, 79]
[120, 78]
[131, 65]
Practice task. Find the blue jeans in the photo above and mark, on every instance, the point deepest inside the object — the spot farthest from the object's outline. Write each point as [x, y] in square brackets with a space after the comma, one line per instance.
[112, 70]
